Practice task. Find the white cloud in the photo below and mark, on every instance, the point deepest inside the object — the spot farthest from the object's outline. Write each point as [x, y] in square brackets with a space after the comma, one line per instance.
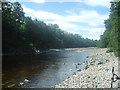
[47, 15]
[105, 3]
[27, 10]
[65, 25]
[86, 32]
[94, 33]
[37, 1]
[92, 18]
[41, 14]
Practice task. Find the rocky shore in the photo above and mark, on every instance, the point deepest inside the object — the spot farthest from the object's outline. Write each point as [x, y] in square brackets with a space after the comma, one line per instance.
[98, 71]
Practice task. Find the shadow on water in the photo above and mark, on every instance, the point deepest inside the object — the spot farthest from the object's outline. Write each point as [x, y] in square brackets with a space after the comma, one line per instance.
[43, 70]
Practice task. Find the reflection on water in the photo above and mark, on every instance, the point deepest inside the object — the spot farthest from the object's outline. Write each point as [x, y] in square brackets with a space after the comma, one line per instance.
[44, 70]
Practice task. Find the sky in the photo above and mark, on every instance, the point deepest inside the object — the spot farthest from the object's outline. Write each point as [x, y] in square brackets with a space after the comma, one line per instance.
[84, 17]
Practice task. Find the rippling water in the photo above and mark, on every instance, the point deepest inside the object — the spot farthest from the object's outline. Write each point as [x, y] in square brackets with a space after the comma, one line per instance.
[43, 70]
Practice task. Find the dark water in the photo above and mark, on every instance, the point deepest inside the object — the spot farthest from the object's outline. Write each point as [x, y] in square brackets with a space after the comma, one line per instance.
[44, 70]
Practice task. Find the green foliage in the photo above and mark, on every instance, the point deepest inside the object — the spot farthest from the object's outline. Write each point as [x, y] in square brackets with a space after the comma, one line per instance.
[109, 50]
[12, 33]
[111, 38]
[22, 34]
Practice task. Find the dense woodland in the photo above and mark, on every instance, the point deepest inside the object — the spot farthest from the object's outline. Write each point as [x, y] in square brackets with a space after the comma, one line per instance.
[22, 34]
[111, 36]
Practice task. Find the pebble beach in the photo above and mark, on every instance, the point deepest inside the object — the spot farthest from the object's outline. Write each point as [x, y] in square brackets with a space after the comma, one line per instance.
[98, 71]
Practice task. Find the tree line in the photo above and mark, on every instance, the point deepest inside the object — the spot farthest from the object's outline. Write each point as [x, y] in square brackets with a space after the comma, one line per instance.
[111, 36]
[23, 34]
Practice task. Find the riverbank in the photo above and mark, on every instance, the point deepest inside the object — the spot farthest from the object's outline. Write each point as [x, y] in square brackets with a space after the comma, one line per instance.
[98, 71]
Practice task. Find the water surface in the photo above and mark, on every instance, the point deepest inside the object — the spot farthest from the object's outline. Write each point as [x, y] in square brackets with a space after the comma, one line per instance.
[44, 70]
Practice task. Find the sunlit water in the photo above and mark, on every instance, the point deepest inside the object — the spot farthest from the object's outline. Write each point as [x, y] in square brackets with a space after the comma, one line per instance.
[44, 70]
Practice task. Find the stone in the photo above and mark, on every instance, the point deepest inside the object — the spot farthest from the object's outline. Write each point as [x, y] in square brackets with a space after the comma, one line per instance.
[26, 81]
[78, 69]
[99, 63]
[87, 57]
[97, 75]
[11, 85]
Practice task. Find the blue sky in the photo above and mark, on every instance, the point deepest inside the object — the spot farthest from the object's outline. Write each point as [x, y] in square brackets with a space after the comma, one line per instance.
[84, 17]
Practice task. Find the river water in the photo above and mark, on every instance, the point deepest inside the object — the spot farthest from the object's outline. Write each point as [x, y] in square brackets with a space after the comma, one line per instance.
[42, 70]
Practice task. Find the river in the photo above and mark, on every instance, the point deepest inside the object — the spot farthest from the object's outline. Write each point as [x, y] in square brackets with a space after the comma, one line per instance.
[42, 70]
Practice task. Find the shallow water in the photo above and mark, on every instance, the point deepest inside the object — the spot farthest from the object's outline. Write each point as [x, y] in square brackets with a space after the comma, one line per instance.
[43, 70]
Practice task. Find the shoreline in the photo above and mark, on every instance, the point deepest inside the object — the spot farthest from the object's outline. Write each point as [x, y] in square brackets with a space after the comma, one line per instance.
[98, 72]
[20, 53]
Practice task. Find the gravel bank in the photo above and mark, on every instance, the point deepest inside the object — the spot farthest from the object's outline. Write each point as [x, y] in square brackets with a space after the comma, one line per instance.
[98, 71]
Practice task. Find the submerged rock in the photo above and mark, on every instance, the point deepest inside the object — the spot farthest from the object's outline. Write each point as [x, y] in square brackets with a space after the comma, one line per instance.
[78, 69]
[11, 85]
[87, 57]
[21, 84]
[26, 81]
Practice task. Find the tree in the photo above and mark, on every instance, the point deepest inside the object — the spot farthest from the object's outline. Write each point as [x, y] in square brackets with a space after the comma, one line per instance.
[23, 34]
[111, 38]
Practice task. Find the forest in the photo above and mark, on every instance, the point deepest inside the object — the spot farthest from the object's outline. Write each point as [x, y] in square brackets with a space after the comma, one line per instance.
[22, 34]
[111, 37]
